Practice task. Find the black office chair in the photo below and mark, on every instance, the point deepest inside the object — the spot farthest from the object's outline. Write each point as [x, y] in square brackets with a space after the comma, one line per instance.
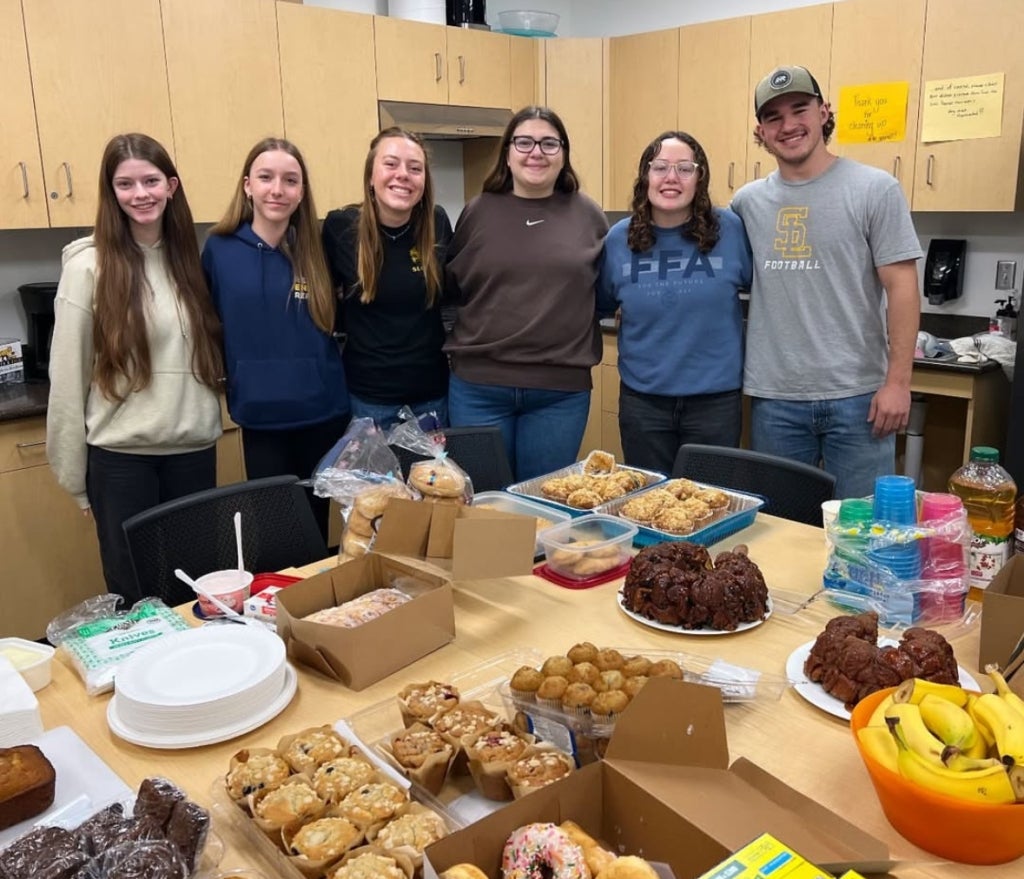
[791, 489]
[480, 451]
[197, 534]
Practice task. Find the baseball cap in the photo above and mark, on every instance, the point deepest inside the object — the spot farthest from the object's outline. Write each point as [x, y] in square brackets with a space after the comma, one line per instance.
[785, 81]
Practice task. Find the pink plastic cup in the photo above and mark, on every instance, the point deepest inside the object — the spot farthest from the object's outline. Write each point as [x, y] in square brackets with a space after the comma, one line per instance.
[944, 559]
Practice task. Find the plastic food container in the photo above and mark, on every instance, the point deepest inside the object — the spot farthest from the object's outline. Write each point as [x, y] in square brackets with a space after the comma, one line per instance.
[970, 833]
[531, 488]
[228, 587]
[592, 544]
[31, 660]
[507, 503]
[528, 22]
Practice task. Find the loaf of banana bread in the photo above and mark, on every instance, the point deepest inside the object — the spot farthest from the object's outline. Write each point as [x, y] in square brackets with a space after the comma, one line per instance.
[27, 783]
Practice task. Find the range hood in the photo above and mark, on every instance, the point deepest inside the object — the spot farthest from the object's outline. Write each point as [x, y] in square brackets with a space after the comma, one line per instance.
[443, 122]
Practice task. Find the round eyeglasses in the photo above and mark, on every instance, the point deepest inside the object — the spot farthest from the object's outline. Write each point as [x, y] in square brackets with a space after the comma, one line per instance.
[549, 146]
[685, 170]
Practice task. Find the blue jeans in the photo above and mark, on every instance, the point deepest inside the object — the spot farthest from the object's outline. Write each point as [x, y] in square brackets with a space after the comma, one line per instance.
[833, 433]
[653, 427]
[386, 414]
[542, 429]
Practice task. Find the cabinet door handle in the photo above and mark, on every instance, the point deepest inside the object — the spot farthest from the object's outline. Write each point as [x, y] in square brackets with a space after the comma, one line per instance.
[462, 69]
[929, 168]
[437, 67]
[732, 171]
[67, 173]
[41, 442]
[24, 179]
[757, 170]
[897, 166]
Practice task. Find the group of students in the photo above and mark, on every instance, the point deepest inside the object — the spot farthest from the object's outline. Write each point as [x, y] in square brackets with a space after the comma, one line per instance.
[309, 325]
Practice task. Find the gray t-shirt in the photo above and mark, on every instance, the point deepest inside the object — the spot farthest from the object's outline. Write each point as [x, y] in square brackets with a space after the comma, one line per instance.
[816, 328]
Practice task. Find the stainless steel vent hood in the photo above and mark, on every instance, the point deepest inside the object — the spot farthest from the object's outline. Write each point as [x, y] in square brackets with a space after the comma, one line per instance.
[442, 122]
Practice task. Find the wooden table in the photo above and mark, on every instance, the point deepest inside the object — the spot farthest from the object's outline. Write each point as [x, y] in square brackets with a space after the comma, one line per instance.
[808, 749]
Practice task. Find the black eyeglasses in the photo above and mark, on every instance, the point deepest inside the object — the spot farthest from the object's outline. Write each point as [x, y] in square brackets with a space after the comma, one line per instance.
[549, 146]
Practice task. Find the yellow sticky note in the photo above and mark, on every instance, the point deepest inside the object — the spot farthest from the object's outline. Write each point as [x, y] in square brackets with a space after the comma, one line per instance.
[964, 108]
[872, 113]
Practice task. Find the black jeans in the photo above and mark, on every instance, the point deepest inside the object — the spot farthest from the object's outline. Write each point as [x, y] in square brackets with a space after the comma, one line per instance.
[653, 427]
[296, 450]
[120, 485]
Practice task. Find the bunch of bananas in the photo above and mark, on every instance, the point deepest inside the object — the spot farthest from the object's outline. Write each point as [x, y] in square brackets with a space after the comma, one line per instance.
[943, 738]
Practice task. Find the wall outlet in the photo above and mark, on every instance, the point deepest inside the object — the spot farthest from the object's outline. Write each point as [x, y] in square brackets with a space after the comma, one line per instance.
[1006, 274]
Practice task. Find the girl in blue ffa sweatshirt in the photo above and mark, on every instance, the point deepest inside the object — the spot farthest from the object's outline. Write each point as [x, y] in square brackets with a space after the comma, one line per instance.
[270, 284]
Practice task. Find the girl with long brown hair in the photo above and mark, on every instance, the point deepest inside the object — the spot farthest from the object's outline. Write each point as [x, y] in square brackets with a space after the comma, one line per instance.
[135, 361]
[386, 257]
[270, 284]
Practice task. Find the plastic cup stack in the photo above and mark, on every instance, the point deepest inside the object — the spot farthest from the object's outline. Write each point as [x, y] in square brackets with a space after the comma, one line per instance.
[895, 503]
[944, 559]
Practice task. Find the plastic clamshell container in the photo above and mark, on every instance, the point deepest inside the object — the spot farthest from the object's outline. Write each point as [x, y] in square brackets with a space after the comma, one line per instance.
[740, 514]
[33, 661]
[966, 832]
[588, 545]
[507, 503]
[532, 487]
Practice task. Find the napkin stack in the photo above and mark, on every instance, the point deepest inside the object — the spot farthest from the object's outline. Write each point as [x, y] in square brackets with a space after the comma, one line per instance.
[19, 708]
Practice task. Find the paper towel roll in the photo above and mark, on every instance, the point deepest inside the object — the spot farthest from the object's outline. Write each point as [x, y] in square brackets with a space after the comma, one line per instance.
[418, 10]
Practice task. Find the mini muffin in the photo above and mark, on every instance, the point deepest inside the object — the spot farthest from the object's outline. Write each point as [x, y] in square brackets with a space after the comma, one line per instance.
[538, 770]
[613, 679]
[609, 658]
[577, 698]
[632, 686]
[524, 683]
[713, 497]
[323, 840]
[336, 779]
[556, 665]
[423, 755]
[636, 665]
[295, 802]
[420, 702]
[584, 673]
[552, 688]
[306, 750]
[608, 704]
[372, 804]
[255, 769]
[665, 668]
[582, 652]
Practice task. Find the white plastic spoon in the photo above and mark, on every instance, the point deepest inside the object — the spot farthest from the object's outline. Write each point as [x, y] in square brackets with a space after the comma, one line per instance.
[238, 542]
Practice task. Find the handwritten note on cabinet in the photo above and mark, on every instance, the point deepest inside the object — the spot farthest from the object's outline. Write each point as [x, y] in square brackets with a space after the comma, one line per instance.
[964, 108]
[873, 113]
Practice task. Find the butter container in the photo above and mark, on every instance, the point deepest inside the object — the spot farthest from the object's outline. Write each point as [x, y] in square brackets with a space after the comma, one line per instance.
[32, 660]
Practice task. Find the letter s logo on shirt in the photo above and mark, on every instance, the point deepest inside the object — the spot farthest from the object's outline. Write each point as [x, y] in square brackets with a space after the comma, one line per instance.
[792, 240]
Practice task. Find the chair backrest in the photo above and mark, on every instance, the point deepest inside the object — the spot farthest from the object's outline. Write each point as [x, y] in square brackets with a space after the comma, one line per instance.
[480, 451]
[196, 533]
[791, 489]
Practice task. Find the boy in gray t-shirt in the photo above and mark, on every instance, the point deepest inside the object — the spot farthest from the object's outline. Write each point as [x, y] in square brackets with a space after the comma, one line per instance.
[828, 357]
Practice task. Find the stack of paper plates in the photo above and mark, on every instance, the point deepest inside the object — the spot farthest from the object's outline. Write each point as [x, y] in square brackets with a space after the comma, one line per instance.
[201, 686]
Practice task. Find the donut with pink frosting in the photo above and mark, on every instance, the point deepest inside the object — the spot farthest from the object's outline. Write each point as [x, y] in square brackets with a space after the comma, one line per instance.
[537, 851]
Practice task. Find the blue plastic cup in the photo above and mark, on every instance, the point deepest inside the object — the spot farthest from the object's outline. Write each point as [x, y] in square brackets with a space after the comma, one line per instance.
[895, 500]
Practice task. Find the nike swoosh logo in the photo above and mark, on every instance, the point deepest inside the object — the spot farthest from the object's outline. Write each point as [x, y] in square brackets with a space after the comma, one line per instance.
[533, 222]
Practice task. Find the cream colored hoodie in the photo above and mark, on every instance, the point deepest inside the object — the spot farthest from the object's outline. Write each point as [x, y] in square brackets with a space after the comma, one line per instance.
[174, 414]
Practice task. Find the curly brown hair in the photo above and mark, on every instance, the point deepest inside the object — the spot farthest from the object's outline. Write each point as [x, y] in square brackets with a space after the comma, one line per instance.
[703, 224]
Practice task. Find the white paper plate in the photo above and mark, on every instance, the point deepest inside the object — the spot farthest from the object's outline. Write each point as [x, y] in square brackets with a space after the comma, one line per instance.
[814, 693]
[679, 630]
[209, 736]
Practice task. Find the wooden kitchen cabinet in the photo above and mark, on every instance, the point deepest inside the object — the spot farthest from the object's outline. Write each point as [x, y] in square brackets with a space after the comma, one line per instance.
[720, 118]
[870, 44]
[97, 70]
[225, 92]
[431, 64]
[523, 64]
[328, 52]
[643, 102]
[22, 199]
[794, 36]
[981, 174]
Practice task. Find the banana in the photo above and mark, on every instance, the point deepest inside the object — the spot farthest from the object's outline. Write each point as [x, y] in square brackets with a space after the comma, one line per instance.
[989, 785]
[955, 759]
[914, 690]
[986, 736]
[1004, 724]
[1003, 689]
[879, 743]
[878, 715]
[948, 722]
[908, 728]
[1016, 775]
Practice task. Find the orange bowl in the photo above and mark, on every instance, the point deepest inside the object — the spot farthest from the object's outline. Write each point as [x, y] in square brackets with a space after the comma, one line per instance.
[970, 833]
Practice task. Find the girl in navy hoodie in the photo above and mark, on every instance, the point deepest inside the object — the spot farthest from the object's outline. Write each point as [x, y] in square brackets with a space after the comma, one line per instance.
[270, 284]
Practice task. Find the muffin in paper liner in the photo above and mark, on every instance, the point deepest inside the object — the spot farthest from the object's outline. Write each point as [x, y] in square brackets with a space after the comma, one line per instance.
[491, 753]
[523, 684]
[420, 703]
[304, 751]
[336, 779]
[371, 862]
[465, 719]
[312, 848]
[421, 754]
[542, 767]
[294, 802]
[410, 832]
[254, 769]
[373, 804]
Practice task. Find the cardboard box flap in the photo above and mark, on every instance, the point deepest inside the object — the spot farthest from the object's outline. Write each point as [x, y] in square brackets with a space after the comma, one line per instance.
[673, 723]
[1002, 619]
[404, 529]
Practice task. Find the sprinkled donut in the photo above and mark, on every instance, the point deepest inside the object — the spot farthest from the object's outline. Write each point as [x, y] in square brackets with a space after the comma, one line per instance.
[538, 851]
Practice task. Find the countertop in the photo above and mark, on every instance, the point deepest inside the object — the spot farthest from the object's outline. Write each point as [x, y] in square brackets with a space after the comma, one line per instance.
[23, 399]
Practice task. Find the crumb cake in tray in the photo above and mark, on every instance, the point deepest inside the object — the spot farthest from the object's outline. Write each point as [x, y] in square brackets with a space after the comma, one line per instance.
[578, 491]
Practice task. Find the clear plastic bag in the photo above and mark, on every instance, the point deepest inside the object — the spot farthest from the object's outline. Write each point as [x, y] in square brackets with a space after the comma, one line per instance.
[359, 460]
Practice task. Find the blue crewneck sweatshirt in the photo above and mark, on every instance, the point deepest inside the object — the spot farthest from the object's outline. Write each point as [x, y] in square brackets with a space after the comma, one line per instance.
[282, 370]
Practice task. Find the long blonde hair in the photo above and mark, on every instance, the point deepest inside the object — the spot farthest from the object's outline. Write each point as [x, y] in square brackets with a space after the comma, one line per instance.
[370, 248]
[301, 243]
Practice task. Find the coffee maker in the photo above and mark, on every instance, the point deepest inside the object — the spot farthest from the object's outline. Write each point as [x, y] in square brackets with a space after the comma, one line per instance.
[37, 300]
[944, 270]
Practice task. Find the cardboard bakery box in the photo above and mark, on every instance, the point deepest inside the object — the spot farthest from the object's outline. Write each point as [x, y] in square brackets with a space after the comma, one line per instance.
[471, 543]
[667, 792]
[363, 655]
[1002, 619]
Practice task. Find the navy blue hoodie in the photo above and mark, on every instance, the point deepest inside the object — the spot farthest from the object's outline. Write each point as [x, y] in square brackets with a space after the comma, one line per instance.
[282, 370]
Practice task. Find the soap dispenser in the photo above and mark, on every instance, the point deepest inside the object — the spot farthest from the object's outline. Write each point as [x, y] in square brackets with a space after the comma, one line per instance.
[1006, 317]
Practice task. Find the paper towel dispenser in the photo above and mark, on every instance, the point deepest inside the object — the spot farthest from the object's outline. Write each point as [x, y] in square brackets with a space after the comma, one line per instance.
[944, 270]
